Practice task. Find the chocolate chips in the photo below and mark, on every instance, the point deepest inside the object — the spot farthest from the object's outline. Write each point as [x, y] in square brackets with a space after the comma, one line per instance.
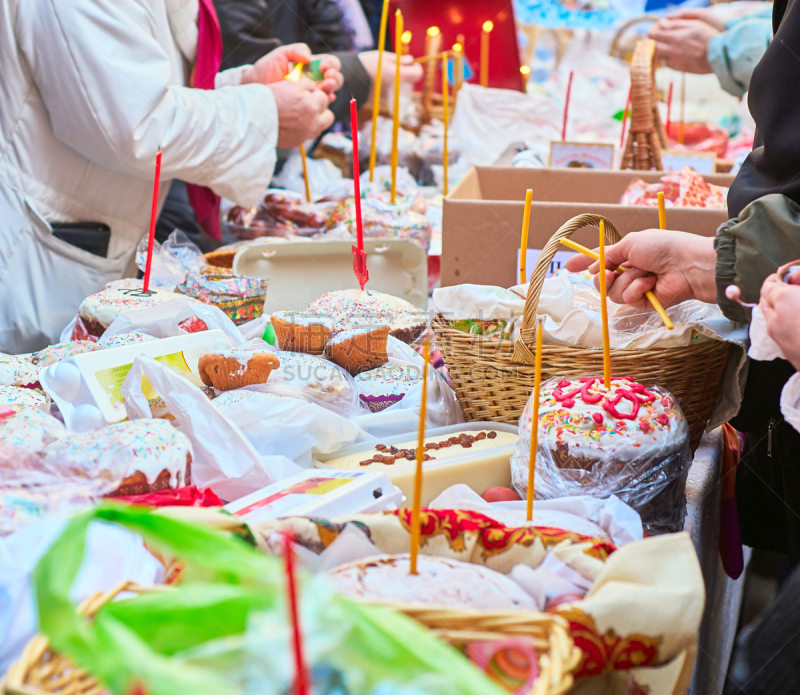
[393, 454]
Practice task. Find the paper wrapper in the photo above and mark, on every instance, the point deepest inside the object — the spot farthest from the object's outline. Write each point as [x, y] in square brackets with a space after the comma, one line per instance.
[241, 298]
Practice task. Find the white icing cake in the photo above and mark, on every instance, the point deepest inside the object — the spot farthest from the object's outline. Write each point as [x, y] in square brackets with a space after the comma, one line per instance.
[125, 339]
[592, 422]
[230, 398]
[439, 582]
[303, 319]
[29, 427]
[394, 458]
[14, 395]
[61, 351]
[356, 308]
[119, 450]
[16, 371]
[105, 306]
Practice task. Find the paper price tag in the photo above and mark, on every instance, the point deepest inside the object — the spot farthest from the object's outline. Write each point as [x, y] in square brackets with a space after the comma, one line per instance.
[581, 155]
[701, 162]
[532, 258]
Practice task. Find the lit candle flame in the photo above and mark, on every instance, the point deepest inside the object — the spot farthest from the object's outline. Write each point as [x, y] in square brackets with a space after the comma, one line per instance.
[488, 25]
[406, 38]
[295, 74]
[433, 31]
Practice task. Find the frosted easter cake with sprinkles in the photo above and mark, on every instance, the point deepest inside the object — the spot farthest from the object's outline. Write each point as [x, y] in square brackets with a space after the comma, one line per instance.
[629, 440]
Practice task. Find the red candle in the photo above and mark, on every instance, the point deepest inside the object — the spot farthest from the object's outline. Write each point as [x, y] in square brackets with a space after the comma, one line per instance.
[625, 120]
[153, 216]
[566, 107]
[301, 685]
[669, 107]
[359, 256]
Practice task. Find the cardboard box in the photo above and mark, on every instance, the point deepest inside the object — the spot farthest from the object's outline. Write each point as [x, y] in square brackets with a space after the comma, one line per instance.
[482, 216]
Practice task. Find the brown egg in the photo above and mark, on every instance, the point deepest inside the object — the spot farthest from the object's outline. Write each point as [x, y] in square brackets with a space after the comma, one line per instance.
[500, 494]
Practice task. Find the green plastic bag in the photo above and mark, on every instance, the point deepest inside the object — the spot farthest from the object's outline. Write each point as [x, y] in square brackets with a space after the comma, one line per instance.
[187, 639]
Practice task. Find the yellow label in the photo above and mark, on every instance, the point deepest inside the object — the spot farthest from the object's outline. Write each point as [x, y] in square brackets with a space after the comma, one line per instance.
[111, 379]
[328, 485]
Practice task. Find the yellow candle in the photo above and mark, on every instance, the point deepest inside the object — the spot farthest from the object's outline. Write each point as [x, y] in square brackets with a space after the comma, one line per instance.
[446, 107]
[458, 67]
[523, 244]
[305, 172]
[420, 453]
[662, 211]
[683, 109]
[537, 385]
[487, 28]
[398, 18]
[604, 308]
[406, 38]
[376, 99]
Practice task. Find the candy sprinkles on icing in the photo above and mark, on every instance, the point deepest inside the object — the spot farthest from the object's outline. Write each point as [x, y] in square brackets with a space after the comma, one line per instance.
[583, 412]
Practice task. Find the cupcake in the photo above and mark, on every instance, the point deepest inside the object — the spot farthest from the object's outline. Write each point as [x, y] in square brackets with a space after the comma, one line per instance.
[361, 308]
[28, 427]
[439, 582]
[381, 388]
[144, 455]
[233, 369]
[360, 349]
[16, 371]
[61, 351]
[98, 311]
[298, 332]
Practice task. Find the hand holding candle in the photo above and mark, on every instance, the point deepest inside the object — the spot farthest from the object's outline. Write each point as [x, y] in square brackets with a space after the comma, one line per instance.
[151, 240]
[359, 255]
[414, 550]
[537, 387]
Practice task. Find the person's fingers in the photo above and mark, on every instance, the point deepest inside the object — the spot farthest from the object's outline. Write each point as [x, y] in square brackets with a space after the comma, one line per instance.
[411, 73]
[617, 285]
[578, 263]
[329, 62]
[319, 99]
[794, 278]
[308, 85]
[328, 85]
[324, 121]
[335, 76]
[296, 52]
[634, 294]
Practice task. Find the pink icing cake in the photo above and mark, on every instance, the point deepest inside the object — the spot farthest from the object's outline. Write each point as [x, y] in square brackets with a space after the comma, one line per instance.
[383, 387]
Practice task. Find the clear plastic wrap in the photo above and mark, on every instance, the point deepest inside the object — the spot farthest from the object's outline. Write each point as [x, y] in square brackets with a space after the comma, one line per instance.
[171, 260]
[32, 487]
[281, 213]
[630, 441]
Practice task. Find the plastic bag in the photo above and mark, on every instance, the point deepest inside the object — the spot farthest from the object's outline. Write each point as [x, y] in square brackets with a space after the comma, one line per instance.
[165, 641]
[629, 441]
[174, 318]
[685, 188]
[292, 427]
[241, 299]
[224, 459]
[323, 177]
[171, 261]
[33, 487]
[403, 417]
[281, 213]
[699, 137]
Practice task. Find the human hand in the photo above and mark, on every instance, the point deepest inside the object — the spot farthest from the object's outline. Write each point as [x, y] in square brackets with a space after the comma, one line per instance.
[780, 303]
[303, 111]
[676, 266]
[277, 64]
[682, 44]
[410, 72]
[331, 68]
[702, 14]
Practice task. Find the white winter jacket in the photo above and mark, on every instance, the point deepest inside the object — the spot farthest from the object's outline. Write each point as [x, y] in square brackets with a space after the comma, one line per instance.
[89, 89]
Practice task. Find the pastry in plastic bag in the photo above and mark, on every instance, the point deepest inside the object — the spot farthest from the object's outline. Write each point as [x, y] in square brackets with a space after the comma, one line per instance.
[16, 395]
[299, 332]
[61, 351]
[383, 387]
[17, 371]
[360, 349]
[628, 440]
[98, 311]
[28, 427]
[233, 369]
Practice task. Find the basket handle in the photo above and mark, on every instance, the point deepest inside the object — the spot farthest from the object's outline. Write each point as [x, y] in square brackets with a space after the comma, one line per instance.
[522, 353]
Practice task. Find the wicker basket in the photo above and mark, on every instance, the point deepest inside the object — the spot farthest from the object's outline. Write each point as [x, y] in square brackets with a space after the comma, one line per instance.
[559, 658]
[41, 670]
[494, 378]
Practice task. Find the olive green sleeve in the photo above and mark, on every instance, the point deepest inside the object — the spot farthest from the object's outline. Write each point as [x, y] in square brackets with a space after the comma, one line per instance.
[753, 246]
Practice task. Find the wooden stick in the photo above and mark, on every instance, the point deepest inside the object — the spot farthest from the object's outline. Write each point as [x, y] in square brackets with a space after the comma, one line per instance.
[650, 296]
[537, 387]
[414, 550]
[376, 100]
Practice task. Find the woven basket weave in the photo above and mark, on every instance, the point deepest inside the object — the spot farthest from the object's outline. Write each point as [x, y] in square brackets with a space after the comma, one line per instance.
[42, 671]
[494, 378]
